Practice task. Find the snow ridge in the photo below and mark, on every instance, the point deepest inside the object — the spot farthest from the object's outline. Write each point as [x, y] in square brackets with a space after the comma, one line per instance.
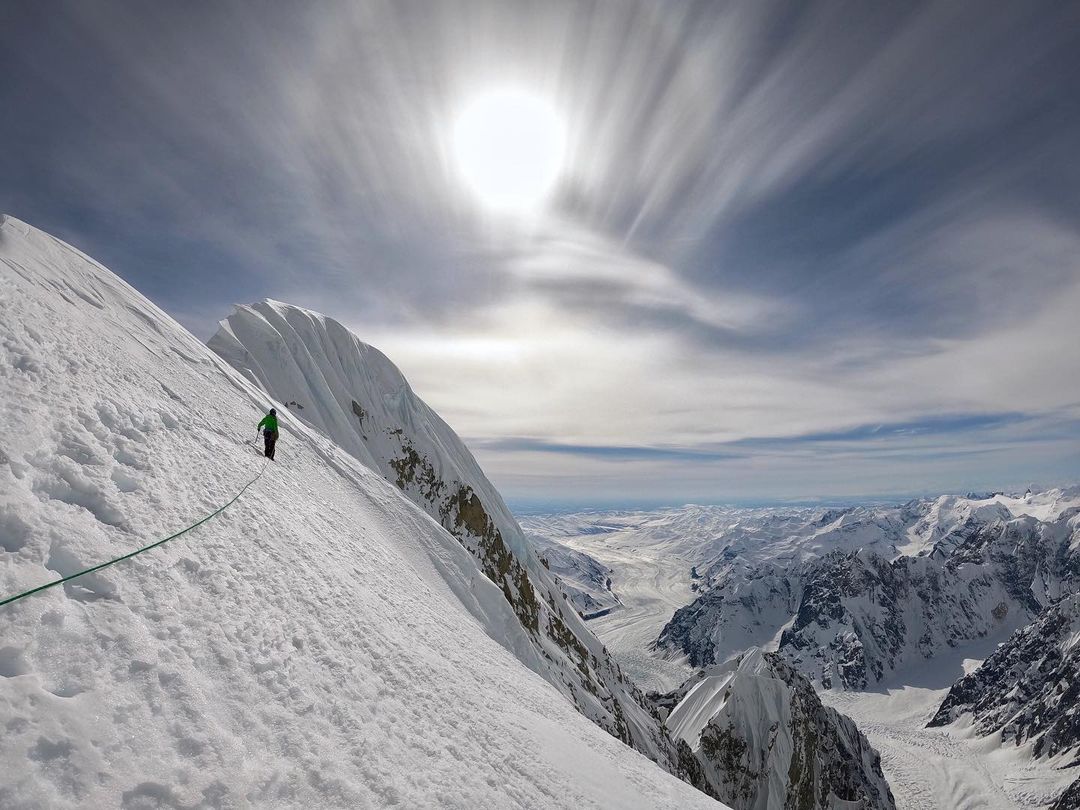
[762, 740]
[1028, 690]
[337, 384]
[322, 643]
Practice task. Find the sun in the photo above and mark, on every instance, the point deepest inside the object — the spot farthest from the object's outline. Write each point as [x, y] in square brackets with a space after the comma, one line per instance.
[509, 146]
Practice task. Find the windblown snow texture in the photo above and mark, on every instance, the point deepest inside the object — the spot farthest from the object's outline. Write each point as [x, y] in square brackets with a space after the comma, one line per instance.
[762, 740]
[322, 643]
[337, 384]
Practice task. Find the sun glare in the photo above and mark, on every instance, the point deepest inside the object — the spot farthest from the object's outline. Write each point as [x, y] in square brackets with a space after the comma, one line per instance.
[509, 147]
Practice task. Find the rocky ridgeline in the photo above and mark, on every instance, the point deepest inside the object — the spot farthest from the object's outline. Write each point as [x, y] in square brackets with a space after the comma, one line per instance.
[357, 397]
[754, 734]
[1070, 799]
[851, 616]
[1029, 689]
[585, 670]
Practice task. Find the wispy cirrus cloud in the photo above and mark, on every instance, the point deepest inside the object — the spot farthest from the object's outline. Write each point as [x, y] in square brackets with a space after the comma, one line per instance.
[779, 226]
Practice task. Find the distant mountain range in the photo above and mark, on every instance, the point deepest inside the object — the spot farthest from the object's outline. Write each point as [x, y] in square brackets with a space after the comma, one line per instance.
[855, 597]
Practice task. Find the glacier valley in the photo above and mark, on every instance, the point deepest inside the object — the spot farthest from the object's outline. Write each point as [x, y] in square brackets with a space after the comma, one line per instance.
[888, 610]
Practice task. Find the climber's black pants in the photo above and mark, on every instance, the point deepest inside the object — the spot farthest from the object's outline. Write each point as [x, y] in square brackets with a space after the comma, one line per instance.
[270, 438]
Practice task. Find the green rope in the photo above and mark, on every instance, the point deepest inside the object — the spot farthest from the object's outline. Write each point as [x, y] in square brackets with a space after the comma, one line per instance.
[62, 580]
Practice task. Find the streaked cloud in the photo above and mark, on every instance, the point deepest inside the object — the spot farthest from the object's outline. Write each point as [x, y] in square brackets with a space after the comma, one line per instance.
[779, 228]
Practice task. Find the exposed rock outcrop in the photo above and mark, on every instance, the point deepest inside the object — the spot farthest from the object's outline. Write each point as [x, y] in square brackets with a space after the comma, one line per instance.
[762, 740]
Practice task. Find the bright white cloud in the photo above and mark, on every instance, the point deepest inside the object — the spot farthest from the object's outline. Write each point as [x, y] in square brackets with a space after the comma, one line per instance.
[765, 221]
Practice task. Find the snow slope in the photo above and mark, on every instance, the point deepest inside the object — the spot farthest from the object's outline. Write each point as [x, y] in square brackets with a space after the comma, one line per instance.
[351, 392]
[764, 740]
[321, 643]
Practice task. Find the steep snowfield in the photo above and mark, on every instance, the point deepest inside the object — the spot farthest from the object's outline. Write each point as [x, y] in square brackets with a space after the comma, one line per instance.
[321, 643]
[348, 390]
[773, 744]
[764, 741]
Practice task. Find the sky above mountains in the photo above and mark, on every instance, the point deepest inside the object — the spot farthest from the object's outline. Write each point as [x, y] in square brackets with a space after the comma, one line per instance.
[791, 251]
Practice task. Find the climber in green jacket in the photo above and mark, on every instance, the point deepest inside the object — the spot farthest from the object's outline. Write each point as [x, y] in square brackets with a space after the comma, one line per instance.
[268, 425]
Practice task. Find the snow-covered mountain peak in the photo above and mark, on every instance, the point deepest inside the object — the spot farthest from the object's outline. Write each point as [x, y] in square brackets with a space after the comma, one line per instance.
[351, 391]
[949, 511]
[323, 642]
[852, 595]
[763, 740]
[13, 226]
[335, 383]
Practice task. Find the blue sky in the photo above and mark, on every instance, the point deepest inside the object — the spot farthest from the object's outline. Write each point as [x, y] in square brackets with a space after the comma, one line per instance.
[794, 251]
